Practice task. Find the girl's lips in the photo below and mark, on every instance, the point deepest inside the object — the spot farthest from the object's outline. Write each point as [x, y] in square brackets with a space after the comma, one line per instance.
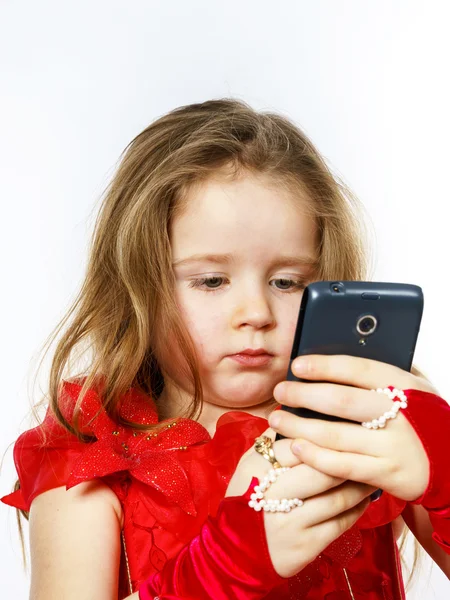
[258, 360]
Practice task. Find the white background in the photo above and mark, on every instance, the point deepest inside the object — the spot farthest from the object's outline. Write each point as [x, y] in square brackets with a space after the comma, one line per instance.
[368, 81]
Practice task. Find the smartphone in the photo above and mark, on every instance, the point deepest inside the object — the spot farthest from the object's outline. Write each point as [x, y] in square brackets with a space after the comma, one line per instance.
[378, 321]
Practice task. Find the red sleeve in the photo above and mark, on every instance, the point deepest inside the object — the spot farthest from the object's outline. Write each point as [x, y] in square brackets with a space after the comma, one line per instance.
[228, 559]
[430, 416]
[43, 457]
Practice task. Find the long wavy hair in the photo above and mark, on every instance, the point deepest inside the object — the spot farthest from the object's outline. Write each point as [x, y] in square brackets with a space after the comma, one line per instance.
[126, 301]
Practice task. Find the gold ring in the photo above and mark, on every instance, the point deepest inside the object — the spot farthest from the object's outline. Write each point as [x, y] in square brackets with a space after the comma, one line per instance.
[263, 445]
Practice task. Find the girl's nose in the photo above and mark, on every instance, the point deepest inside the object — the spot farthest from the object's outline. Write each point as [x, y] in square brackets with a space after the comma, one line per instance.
[253, 311]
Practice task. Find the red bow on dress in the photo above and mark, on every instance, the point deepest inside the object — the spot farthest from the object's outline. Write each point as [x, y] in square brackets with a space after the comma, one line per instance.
[150, 458]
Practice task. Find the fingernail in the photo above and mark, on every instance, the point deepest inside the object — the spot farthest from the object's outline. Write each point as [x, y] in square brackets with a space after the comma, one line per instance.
[274, 419]
[299, 365]
[278, 392]
[297, 447]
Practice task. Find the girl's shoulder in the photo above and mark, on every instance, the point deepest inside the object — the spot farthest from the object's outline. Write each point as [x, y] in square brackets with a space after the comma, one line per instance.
[49, 455]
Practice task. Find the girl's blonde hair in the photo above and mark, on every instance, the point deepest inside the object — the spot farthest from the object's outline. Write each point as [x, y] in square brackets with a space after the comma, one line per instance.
[126, 302]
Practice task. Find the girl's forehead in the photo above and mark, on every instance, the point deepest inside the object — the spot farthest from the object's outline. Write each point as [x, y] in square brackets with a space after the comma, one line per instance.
[246, 214]
[247, 197]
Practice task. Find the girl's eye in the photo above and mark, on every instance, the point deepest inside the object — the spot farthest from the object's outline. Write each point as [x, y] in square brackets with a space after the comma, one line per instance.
[208, 283]
[290, 285]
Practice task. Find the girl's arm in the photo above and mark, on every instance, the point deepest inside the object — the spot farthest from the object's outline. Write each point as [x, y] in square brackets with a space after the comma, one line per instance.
[75, 543]
[418, 521]
[75, 550]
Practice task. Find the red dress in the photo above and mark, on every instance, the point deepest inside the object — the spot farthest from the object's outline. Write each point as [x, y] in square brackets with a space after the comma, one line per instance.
[168, 483]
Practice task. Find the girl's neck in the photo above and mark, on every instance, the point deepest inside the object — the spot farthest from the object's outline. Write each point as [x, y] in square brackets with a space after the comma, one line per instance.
[173, 402]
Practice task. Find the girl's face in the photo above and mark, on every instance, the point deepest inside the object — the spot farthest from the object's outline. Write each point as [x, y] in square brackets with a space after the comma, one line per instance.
[242, 253]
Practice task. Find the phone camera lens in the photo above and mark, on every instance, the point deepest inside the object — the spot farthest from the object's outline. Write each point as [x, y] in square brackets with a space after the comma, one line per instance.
[337, 287]
[366, 325]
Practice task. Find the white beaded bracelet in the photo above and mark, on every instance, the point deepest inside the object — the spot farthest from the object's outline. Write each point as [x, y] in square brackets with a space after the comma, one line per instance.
[390, 414]
[258, 502]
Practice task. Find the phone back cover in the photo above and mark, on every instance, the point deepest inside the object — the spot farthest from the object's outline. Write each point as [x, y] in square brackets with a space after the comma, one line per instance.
[327, 324]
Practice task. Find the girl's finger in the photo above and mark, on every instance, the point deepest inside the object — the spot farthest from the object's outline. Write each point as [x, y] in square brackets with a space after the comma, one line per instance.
[343, 401]
[334, 502]
[302, 482]
[329, 530]
[342, 465]
[345, 437]
[359, 372]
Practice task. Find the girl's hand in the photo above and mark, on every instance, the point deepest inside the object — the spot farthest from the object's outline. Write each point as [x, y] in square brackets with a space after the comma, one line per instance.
[331, 506]
[391, 458]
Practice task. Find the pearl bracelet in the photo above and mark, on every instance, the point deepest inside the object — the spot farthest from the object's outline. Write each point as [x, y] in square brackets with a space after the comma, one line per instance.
[390, 414]
[258, 502]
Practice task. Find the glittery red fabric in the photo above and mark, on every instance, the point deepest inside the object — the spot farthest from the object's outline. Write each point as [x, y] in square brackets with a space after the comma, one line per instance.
[170, 485]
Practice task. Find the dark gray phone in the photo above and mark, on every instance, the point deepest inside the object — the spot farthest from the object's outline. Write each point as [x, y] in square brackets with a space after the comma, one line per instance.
[379, 321]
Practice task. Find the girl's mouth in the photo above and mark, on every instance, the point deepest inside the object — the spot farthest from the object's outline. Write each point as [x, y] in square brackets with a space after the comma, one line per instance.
[252, 358]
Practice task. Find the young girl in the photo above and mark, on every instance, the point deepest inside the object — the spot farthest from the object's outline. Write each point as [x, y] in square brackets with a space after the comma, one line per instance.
[147, 479]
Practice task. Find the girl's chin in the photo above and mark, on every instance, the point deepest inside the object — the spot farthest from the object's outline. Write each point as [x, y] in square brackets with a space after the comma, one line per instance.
[241, 399]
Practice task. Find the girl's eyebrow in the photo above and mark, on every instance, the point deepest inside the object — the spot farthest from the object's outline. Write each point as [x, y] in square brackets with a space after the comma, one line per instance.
[286, 261]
